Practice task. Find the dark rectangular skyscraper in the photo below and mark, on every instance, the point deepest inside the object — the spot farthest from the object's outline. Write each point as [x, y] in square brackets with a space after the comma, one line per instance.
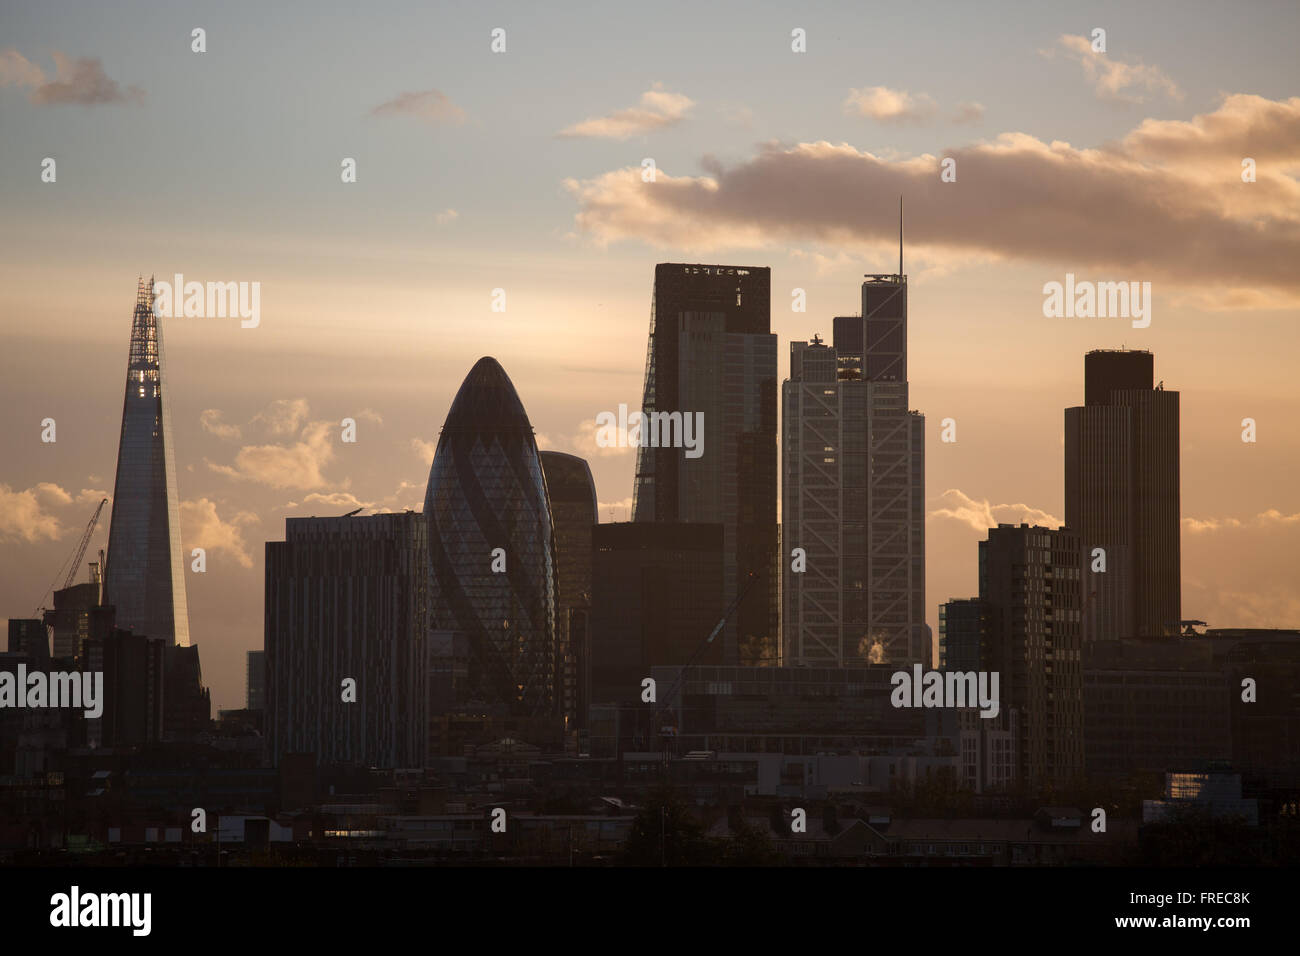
[657, 593]
[711, 351]
[346, 599]
[145, 578]
[961, 633]
[1122, 495]
[1030, 593]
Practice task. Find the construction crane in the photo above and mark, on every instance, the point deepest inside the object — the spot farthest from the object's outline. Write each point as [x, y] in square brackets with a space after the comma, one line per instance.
[668, 732]
[76, 555]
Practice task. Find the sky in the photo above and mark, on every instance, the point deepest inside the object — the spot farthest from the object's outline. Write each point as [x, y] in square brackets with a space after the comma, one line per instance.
[522, 170]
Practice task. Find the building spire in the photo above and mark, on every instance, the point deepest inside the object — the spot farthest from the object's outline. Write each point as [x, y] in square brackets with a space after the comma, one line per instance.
[900, 234]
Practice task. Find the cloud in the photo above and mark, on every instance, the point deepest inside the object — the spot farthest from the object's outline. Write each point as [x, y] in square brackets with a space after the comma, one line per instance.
[1113, 80]
[24, 514]
[337, 499]
[79, 81]
[210, 419]
[658, 109]
[283, 416]
[425, 449]
[1148, 204]
[884, 105]
[446, 217]
[202, 527]
[431, 106]
[1272, 518]
[1244, 125]
[17, 70]
[981, 514]
[968, 113]
[286, 466]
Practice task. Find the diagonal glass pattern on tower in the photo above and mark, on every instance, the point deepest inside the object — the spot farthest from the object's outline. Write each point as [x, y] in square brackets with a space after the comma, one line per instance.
[487, 491]
[144, 579]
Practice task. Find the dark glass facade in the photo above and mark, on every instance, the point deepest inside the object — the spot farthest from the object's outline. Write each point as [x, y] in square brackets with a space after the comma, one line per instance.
[487, 491]
[571, 492]
[711, 351]
[145, 579]
[657, 594]
[345, 598]
[961, 631]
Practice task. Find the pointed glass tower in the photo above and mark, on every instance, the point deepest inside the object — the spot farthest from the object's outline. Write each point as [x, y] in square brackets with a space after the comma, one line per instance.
[145, 580]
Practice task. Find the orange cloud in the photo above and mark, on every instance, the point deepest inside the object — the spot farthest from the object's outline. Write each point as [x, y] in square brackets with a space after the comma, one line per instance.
[79, 81]
[658, 109]
[1147, 204]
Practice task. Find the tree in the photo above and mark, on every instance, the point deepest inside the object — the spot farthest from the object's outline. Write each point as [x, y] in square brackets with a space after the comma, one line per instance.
[750, 846]
[664, 833]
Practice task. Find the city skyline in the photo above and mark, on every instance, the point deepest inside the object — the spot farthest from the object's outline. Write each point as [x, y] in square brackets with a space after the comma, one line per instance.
[385, 341]
[616, 441]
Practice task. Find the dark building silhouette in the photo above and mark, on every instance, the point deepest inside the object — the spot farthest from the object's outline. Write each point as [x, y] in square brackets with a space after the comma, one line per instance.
[1030, 590]
[255, 680]
[1153, 705]
[145, 579]
[345, 599]
[711, 351]
[790, 710]
[883, 449]
[1265, 730]
[1122, 495]
[572, 494]
[70, 618]
[134, 668]
[487, 492]
[32, 739]
[657, 594]
[961, 632]
[187, 704]
[28, 636]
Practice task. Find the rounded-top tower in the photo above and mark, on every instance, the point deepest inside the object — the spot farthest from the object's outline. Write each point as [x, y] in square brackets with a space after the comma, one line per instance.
[487, 492]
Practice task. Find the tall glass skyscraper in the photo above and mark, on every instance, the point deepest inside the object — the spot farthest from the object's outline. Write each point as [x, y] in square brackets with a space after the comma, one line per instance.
[711, 351]
[145, 578]
[487, 492]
